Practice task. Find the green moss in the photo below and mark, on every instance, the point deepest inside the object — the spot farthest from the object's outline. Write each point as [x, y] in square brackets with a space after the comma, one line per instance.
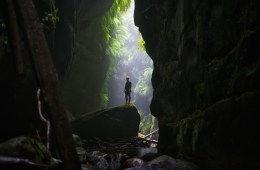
[197, 126]
[189, 131]
[129, 105]
[27, 148]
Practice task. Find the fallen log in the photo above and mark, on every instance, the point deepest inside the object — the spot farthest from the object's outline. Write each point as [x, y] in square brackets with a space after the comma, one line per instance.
[150, 134]
[148, 140]
[9, 161]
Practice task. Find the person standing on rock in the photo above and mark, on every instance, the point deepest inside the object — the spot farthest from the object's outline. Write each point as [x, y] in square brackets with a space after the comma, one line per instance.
[127, 90]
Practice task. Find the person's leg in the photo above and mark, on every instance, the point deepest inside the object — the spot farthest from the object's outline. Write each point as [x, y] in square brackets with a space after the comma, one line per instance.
[125, 98]
[129, 98]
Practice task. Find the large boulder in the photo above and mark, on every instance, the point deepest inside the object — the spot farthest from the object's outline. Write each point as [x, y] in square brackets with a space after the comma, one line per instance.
[118, 122]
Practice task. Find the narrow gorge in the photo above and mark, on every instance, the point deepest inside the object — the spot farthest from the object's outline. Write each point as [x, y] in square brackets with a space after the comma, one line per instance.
[204, 68]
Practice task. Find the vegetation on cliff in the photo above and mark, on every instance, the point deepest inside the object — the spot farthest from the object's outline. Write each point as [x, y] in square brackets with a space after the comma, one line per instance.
[128, 57]
[114, 36]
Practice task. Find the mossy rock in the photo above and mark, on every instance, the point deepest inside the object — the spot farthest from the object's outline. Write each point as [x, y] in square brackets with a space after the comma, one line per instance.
[26, 148]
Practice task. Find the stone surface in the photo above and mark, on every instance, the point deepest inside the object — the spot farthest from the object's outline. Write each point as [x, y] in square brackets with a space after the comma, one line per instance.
[118, 122]
[206, 54]
[133, 162]
[166, 162]
[97, 159]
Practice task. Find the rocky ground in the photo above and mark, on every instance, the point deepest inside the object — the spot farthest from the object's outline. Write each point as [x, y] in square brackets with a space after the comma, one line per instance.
[135, 154]
[105, 140]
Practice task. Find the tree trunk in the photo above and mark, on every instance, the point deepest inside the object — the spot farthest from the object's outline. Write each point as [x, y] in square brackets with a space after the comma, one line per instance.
[49, 83]
[15, 37]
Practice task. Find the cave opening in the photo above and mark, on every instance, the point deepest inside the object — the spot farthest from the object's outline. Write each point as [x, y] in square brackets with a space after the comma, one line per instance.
[132, 61]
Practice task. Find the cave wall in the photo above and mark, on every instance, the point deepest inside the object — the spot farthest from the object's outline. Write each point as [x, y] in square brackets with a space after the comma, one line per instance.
[80, 61]
[85, 78]
[206, 78]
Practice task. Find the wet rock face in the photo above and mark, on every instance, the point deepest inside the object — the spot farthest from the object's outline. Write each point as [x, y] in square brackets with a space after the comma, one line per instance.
[86, 65]
[203, 52]
[224, 136]
[75, 43]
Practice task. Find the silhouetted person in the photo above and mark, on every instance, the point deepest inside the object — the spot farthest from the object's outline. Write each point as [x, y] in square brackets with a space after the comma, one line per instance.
[128, 86]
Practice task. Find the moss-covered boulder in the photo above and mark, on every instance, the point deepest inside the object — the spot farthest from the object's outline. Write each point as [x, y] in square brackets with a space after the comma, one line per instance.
[118, 122]
[27, 152]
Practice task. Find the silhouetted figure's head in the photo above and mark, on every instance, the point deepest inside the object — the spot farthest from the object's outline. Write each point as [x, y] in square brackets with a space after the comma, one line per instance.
[127, 78]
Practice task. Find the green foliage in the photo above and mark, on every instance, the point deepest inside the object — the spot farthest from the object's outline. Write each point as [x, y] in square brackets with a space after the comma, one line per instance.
[121, 42]
[112, 28]
[114, 35]
[142, 123]
[51, 17]
[141, 87]
[104, 99]
[141, 43]
[147, 124]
